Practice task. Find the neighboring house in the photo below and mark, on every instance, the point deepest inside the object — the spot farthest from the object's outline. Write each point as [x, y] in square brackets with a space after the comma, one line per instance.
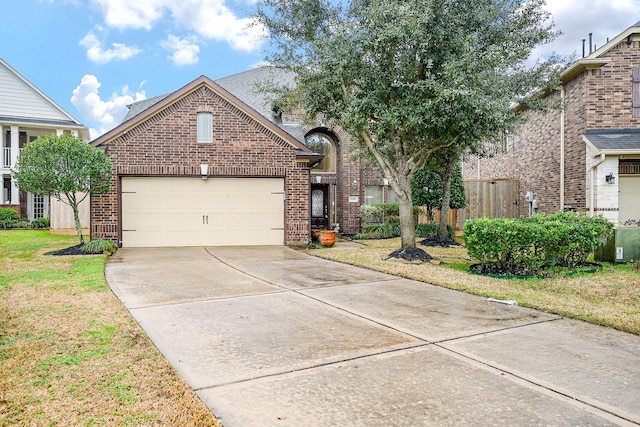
[25, 114]
[216, 163]
[585, 156]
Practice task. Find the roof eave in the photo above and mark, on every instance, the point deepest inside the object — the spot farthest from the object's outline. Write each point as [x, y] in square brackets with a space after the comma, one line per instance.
[581, 65]
[597, 152]
[38, 91]
[310, 158]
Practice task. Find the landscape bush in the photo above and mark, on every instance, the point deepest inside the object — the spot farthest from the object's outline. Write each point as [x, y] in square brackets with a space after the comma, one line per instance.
[16, 223]
[381, 221]
[24, 223]
[8, 214]
[98, 246]
[40, 223]
[531, 245]
[431, 230]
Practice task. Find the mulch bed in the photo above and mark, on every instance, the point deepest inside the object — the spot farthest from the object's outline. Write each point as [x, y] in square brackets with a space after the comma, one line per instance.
[492, 270]
[411, 254]
[71, 250]
[444, 242]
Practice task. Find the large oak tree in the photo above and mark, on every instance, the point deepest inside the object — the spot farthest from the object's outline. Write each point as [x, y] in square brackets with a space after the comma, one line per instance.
[408, 78]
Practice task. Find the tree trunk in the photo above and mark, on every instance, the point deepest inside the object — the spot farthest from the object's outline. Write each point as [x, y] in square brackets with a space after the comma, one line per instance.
[78, 225]
[407, 221]
[446, 195]
[73, 202]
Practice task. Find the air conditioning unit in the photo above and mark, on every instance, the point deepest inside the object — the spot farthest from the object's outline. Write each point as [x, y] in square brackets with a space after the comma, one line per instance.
[622, 246]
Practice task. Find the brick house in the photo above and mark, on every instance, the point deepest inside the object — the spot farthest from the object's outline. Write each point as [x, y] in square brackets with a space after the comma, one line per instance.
[27, 113]
[214, 163]
[584, 156]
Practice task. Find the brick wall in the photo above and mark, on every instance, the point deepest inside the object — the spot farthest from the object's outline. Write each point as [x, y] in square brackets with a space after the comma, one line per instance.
[350, 178]
[595, 99]
[165, 145]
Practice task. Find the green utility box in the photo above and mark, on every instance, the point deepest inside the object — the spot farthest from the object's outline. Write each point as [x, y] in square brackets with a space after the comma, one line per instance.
[622, 246]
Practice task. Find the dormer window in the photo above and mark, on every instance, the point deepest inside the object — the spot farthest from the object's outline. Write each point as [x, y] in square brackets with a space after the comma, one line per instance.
[205, 127]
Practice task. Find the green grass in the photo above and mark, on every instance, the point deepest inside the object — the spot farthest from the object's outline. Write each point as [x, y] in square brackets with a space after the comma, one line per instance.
[70, 353]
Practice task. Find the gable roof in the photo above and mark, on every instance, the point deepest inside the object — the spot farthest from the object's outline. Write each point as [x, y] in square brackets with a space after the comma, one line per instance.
[157, 104]
[244, 86]
[613, 141]
[596, 59]
[138, 107]
[22, 103]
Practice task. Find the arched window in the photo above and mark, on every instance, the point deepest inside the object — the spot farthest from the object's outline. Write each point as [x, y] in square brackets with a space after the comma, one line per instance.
[322, 144]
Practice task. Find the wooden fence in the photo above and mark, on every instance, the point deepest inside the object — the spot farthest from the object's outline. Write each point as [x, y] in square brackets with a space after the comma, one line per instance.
[497, 198]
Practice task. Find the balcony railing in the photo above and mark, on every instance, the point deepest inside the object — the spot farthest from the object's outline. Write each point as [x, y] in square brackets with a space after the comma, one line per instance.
[6, 157]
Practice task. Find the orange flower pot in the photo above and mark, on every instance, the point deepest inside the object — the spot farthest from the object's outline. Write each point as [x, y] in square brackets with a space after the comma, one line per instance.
[327, 238]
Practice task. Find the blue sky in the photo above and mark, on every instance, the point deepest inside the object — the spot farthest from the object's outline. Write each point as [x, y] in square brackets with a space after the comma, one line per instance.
[94, 57]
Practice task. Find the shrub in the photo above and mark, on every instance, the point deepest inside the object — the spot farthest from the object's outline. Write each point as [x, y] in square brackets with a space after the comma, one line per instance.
[40, 223]
[385, 230]
[564, 239]
[98, 246]
[15, 223]
[371, 214]
[384, 212]
[7, 214]
[431, 230]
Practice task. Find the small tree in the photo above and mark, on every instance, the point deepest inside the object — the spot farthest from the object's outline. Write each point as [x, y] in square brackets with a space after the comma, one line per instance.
[427, 187]
[63, 165]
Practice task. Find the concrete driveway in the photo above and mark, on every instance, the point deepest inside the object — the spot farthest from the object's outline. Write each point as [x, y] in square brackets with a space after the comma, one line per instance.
[268, 336]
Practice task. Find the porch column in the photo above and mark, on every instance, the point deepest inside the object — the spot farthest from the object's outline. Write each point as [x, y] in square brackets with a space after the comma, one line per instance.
[2, 147]
[15, 152]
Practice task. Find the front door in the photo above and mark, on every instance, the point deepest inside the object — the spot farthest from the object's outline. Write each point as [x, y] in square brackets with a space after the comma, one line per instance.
[319, 207]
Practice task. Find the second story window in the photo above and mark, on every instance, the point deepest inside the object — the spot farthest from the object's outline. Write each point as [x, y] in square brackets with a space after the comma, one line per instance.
[205, 127]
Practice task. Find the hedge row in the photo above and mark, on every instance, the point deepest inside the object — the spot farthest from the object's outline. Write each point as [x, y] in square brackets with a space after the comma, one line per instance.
[564, 239]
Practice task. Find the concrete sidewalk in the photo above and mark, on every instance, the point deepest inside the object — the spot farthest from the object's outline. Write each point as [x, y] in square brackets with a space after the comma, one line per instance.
[268, 336]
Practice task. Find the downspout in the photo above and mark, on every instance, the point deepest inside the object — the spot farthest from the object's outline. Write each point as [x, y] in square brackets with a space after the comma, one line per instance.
[592, 186]
[562, 148]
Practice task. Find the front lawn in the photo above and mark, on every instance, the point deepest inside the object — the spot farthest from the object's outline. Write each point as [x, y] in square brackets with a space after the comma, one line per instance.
[610, 297]
[70, 353]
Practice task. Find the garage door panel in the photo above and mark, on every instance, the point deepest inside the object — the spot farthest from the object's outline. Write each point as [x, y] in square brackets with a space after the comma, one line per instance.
[629, 198]
[194, 212]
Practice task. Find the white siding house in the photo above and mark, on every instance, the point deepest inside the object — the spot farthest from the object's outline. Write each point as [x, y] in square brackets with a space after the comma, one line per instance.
[25, 114]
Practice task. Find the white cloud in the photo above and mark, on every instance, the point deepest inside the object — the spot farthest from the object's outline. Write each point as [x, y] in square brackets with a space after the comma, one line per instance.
[184, 50]
[209, 19]
[103, 115]
[136, 14]
[96, 53]
[577, 18]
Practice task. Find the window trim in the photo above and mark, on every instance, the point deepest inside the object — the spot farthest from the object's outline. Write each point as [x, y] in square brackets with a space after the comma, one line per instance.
[204, 126]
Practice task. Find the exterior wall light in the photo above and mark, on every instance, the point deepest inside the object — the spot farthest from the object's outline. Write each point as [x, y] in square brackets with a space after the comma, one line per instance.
[610, 178]
[204, 171]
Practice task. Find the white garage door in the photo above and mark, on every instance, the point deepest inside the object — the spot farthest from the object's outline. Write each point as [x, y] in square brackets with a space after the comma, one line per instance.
[629, 198]
[195, 212]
